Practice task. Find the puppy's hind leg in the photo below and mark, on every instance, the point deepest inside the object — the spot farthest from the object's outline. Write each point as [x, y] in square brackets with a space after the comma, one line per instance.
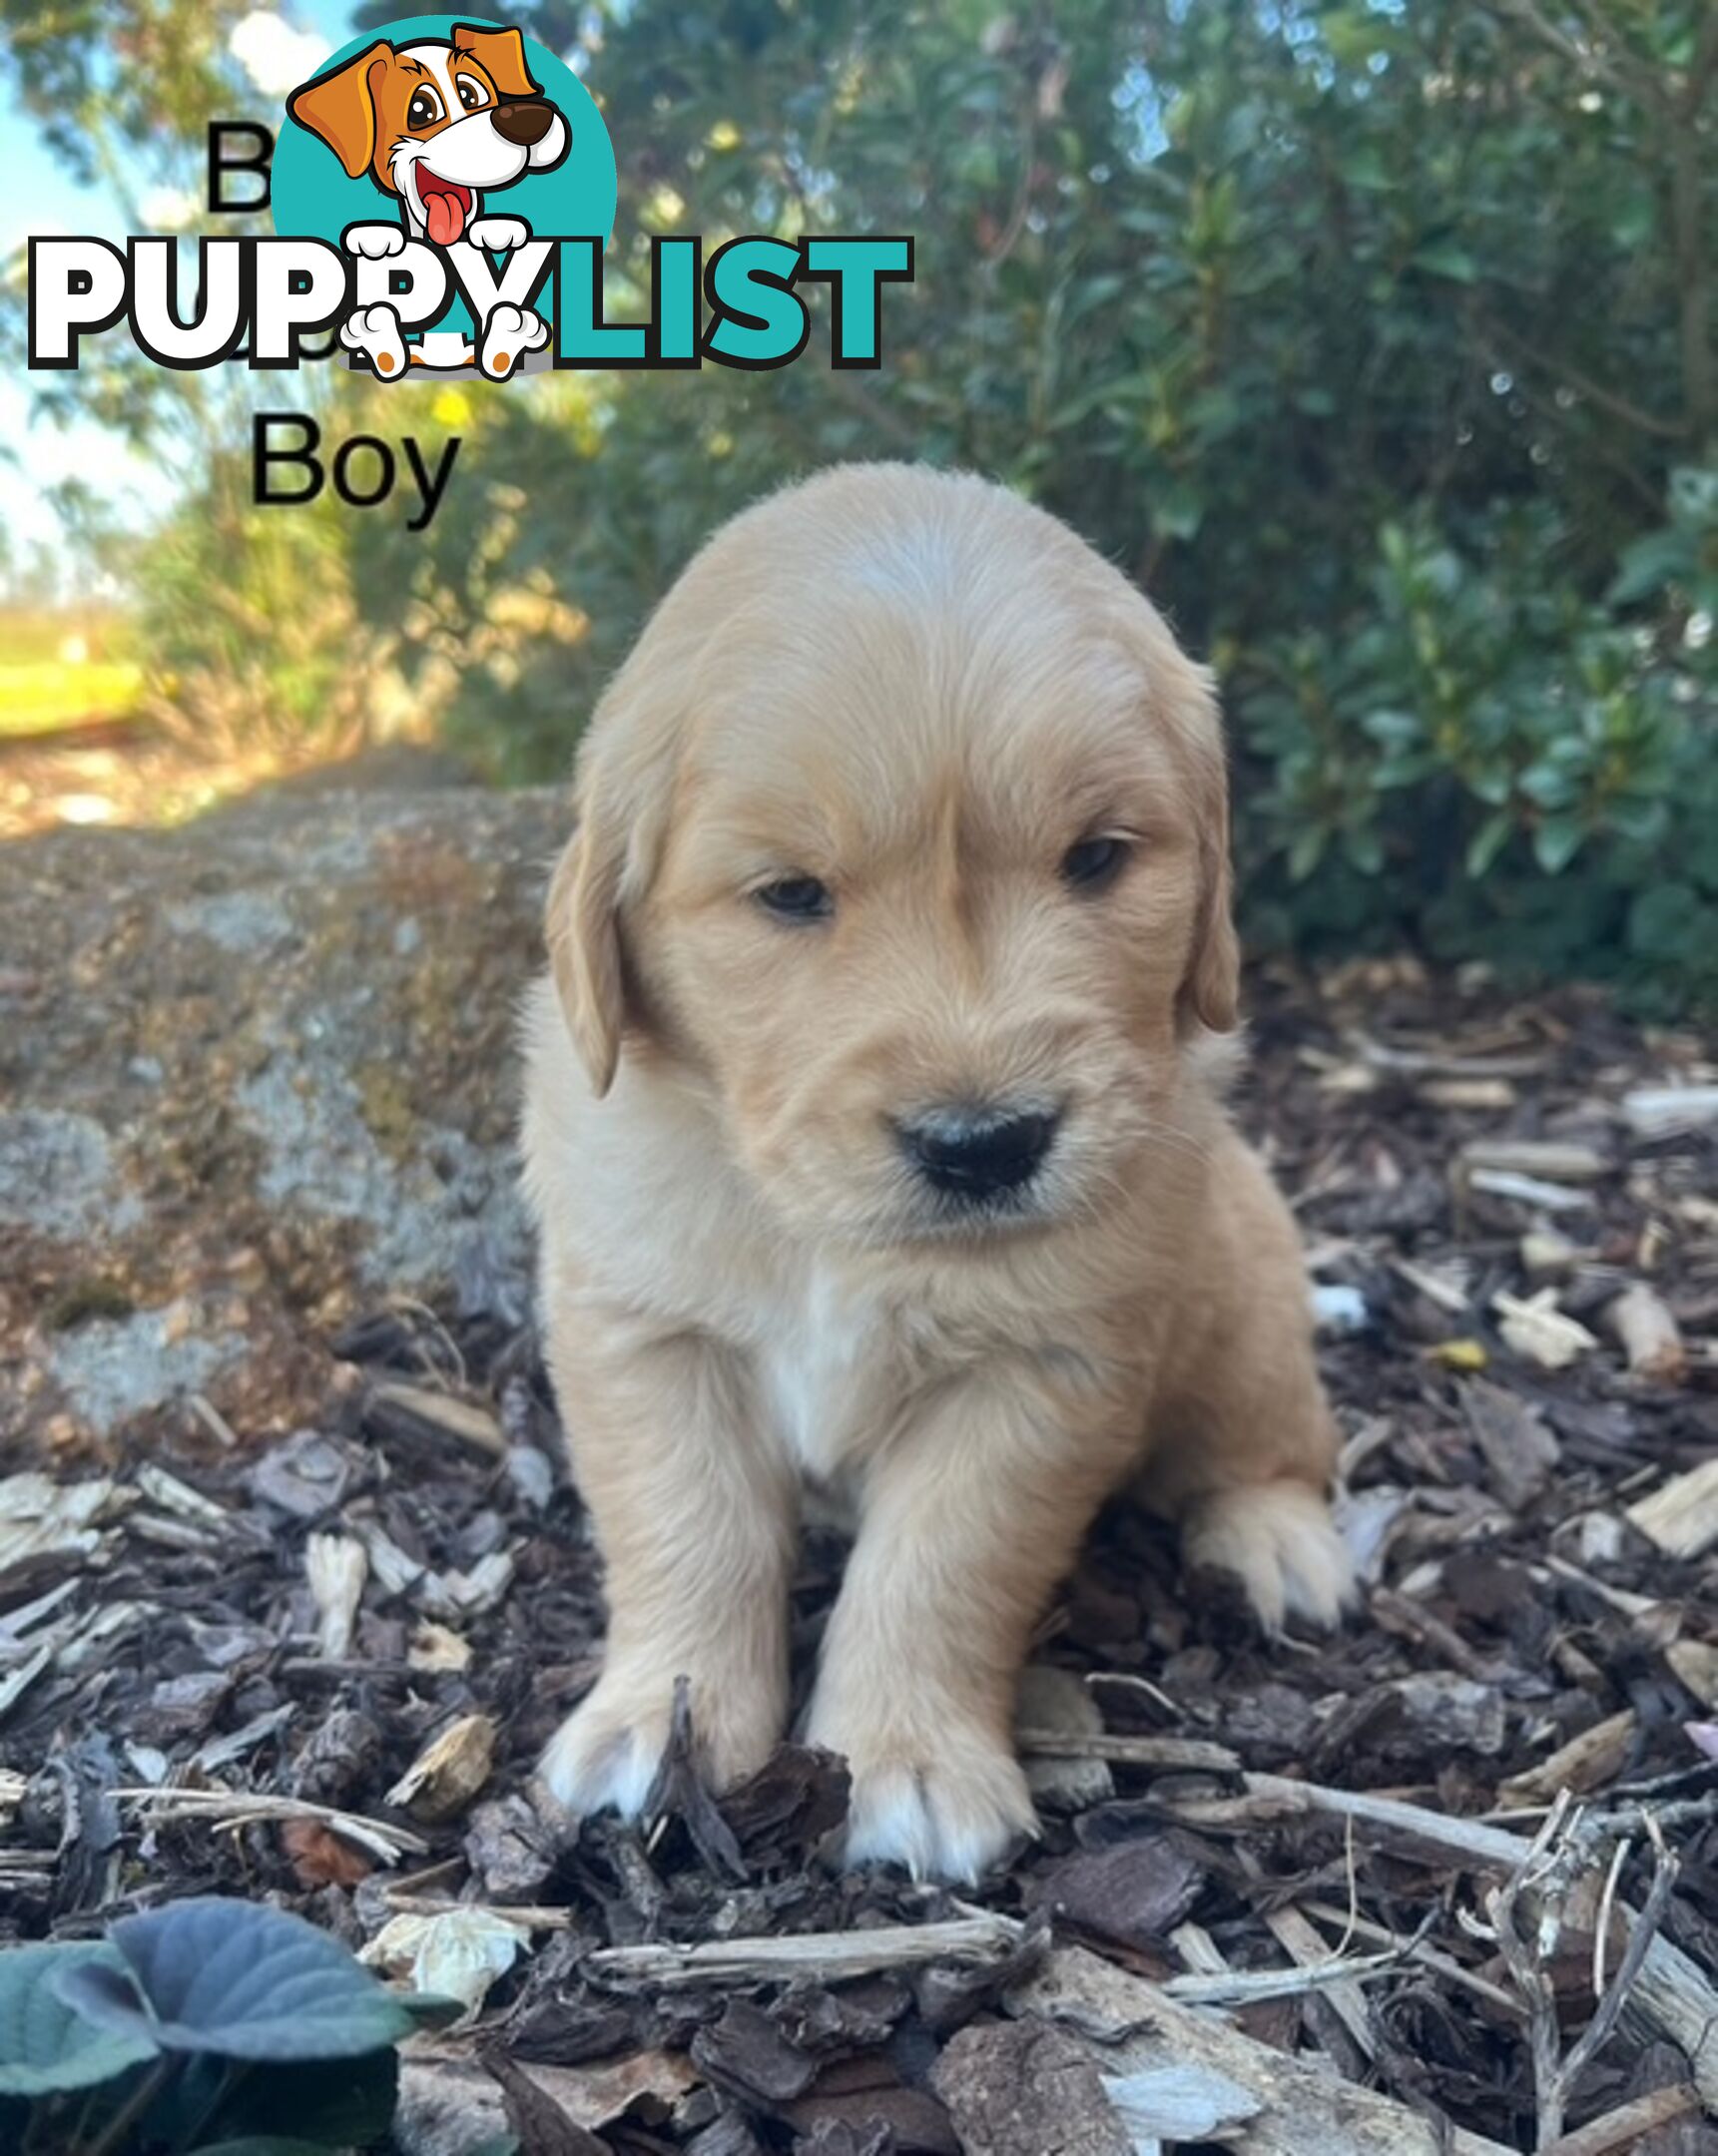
[1245, 1438]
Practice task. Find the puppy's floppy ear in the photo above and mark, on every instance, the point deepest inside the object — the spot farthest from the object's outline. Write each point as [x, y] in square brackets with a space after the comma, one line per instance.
[1211, 987]
[340, 108]
[501, 53]
[581, 924]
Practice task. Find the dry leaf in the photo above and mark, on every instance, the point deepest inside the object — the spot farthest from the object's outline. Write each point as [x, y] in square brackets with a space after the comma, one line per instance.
[459, 1952]
[319, 1858]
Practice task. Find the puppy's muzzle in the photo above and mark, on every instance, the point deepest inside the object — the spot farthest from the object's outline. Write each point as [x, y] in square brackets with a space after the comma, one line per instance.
[524, 121]
[977, 1153]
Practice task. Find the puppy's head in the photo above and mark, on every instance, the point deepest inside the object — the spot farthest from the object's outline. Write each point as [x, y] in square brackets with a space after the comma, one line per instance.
[435, 123]
[904, 829]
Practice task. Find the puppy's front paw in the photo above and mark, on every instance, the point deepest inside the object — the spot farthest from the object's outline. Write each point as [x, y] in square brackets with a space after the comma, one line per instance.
[946, 1809]
[1279, 1540]
[374, 331]
[605, 1756]
[508, 335]
[375, 243]
[499, 235]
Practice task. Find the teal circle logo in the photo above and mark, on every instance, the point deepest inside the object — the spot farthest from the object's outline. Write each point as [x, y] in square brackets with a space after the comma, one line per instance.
[316, 196]
[454, 133]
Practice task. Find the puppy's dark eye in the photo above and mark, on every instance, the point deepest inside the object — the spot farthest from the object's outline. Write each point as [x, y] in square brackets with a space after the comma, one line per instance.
[795, 898]
[424, 109]
[472, 94]
[1094, 864]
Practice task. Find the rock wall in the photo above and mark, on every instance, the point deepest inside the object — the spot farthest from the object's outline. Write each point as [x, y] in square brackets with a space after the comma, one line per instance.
[255, 1074]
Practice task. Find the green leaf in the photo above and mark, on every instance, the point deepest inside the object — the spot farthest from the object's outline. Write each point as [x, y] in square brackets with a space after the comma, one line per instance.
[1176, 510]
[1364, 167]
[1648, 565]
[45, 2044]
[1306, 853]
[1556, 842]
[1489, 841]
[1442, 257]
[238, 1979]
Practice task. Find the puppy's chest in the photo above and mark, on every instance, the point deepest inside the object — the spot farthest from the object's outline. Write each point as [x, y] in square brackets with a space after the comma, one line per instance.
[832, 1366]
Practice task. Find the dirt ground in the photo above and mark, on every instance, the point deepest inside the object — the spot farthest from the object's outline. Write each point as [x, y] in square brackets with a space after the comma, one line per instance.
[219, 1658]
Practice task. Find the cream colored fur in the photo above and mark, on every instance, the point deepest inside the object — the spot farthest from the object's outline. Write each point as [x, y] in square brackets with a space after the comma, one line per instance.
[922, 692]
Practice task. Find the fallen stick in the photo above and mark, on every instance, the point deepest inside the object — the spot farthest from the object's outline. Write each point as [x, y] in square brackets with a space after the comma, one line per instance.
[1179, 1755]
[815, 1957]
[1629, 2123]
[402, 1405]
[1134, 2028]
[1670, 1991]
[1247, 1988]
[1294, 1933]
[1442, 1965]
[228, 1810]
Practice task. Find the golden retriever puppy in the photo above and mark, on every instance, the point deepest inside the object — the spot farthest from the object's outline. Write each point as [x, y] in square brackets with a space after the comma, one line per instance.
[872, 1140]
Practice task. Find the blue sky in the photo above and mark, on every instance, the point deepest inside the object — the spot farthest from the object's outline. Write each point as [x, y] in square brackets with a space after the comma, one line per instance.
[36, 195]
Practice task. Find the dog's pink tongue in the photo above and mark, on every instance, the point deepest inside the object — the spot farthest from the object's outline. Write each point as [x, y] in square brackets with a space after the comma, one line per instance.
[445, 218]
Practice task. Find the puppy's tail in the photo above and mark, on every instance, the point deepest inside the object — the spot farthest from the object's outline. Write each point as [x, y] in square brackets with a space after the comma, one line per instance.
[1280, 1541]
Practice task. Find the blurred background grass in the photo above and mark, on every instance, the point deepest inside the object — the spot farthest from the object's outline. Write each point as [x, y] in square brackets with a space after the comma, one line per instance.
[1379, 340]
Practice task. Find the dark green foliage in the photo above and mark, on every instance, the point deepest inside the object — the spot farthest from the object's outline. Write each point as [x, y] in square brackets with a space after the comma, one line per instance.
[1362, 335]
[194, 2030]
[1378, 341]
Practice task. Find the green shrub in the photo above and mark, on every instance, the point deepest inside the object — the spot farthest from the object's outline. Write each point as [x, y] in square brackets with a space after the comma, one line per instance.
[1378, 341]
[1483, 758]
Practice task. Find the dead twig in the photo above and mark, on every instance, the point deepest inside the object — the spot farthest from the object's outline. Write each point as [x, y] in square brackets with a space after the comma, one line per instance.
[1670, 1989]
[811, 1957]
[230, 1809]
[1528, 1945]
[1540, 1888]
[1179, 1755]
[1629, 2123]
[1643, 1929]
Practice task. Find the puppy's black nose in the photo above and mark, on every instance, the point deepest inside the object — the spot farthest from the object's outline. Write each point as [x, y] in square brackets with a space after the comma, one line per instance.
[977, 1152]
[523, 121]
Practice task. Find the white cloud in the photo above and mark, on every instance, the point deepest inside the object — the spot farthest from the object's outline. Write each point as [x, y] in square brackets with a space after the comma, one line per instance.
[275, 55]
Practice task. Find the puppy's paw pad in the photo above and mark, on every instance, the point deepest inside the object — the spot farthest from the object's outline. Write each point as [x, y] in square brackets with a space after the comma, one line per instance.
[951, 1818]
[374, 331]
[1280, 1541]
[508, 335]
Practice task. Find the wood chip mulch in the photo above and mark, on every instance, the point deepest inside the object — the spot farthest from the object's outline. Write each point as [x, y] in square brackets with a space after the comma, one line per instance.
[1446, 1881]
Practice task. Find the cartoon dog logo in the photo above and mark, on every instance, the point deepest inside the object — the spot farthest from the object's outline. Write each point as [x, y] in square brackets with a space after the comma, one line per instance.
[438, 124]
